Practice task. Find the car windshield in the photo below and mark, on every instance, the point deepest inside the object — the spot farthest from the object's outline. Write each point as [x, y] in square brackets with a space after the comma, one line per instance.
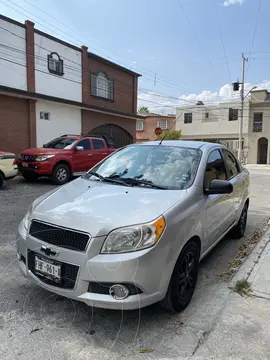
[61, 143]
[167, 167]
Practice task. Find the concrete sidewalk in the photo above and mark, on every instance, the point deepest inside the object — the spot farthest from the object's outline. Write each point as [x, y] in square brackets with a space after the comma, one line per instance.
[242, 331]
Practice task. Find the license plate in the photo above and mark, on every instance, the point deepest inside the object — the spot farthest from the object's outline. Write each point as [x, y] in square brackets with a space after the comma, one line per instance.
[24, 165]
[48, 269]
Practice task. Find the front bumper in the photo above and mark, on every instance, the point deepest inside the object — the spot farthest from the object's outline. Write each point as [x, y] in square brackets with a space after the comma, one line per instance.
[145, 269]
[41, 168]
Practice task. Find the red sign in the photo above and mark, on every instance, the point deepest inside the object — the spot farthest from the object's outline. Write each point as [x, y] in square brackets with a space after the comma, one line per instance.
[158, 131]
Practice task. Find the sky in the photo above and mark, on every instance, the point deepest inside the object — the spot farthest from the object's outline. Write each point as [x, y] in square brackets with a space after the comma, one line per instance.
[185, 50]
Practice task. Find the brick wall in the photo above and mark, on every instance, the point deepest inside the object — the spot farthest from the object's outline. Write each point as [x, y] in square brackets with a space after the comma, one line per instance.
[14, 124]
[125, 87]
[91, 120]
[150, 123]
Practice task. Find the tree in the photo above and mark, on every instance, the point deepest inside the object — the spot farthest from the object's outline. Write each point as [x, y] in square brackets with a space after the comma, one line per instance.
[170, 135]
[144, 110]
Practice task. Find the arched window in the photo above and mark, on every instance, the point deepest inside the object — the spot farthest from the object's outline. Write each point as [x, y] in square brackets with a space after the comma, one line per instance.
[55, 64]
[101, 86]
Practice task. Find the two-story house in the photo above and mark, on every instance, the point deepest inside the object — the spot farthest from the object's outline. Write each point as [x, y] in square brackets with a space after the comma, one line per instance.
[49, 87]
[145, 128]
[220, 123]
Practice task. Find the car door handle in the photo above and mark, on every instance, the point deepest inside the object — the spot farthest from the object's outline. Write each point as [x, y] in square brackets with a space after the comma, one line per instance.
[104, 153]
[90, 154]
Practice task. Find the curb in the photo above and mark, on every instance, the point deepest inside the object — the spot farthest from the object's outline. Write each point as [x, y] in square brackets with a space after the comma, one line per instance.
[249, 265]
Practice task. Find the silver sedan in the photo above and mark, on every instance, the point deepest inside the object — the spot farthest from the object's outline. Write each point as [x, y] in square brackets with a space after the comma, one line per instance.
[132, 231]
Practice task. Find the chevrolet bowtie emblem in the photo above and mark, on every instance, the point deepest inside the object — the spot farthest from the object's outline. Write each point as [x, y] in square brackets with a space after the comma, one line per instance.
[49, 251]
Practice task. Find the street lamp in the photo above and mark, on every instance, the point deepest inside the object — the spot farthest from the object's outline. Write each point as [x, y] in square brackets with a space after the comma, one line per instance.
[254, 87]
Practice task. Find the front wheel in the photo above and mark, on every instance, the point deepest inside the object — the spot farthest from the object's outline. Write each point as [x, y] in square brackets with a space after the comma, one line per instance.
[61, 174]
[184, 279]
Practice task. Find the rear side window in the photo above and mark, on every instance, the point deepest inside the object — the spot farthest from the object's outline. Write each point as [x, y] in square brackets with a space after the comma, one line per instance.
[85, 144]
[98, 144]
[231, 164]
[215, 168]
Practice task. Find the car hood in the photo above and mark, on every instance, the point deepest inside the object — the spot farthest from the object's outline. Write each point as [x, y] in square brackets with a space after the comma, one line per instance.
[43, 151]
[98, 208]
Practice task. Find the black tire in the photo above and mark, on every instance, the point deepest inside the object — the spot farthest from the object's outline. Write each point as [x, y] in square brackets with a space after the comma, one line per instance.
[238, 231]
[61, 174]
[30, 176]
[183, 280]
[1, 181]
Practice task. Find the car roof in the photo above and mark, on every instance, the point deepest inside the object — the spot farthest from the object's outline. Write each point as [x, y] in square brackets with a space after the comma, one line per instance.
[183, 143]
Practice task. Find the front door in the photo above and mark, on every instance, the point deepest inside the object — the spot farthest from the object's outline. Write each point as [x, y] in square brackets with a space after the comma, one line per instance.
[99, 150]
[262, 150]
[218, 209]
[81, 159]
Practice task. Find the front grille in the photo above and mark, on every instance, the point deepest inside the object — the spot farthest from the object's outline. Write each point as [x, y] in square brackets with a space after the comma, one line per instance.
[27, 158]
[58, 236]
[103, 288]
[68, 273]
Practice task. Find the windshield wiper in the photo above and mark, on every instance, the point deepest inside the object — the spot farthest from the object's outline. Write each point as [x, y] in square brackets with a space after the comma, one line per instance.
[138, 182]
[107, 179]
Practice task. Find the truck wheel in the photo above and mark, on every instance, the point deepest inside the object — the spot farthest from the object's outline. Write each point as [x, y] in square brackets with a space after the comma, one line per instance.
[61, 174]
[1, 181]
[183, 280]
[30, 176]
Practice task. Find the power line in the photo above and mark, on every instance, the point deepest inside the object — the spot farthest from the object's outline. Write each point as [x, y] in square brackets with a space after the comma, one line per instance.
[46, 22]
[194, 32]
[255, 31]
[221, 37]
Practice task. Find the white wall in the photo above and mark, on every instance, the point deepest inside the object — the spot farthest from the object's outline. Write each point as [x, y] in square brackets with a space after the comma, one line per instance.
[64, 119]
[68, 86]
[12, 48]
[217, 124]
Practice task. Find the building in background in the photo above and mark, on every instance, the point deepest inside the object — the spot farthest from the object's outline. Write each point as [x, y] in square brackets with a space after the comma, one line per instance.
[220, 123]
[145, 128]
[49, 87]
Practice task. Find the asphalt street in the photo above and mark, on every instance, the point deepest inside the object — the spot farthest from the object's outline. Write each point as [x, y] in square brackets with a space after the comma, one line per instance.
[37, 324]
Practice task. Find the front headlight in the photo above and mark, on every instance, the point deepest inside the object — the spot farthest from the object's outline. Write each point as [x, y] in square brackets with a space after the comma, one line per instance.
[133, 238]
[43, 157]
[26, 219]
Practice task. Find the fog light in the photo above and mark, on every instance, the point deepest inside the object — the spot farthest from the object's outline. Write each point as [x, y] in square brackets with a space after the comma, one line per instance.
[119, 292]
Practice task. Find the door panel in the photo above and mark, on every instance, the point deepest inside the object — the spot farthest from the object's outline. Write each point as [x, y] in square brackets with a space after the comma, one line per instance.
[82, 159]
[218, 208]
[99, 150]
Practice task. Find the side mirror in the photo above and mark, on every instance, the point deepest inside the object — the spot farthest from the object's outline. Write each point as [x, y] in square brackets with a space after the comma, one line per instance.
[219, 187]
[44, 145]
[79, 148]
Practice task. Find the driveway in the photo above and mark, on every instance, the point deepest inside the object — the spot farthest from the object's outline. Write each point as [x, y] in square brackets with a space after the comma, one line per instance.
[37, 324]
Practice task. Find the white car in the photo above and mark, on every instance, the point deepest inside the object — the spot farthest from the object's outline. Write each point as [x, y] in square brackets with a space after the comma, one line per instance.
[8, 167]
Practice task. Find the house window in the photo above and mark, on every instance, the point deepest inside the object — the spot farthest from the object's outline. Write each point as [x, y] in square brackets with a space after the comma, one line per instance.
[257, 122]
[55, 64]
[101, 86]
[44, 115]
[233, 114]
[187, 118]
[139, 126]
[207, 115]
[163, 124]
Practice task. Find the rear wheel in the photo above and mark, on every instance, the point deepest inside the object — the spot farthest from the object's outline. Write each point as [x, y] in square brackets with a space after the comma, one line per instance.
[183, 280]
[239, 230]
[30, 176]
[61, 174]
[1, 181]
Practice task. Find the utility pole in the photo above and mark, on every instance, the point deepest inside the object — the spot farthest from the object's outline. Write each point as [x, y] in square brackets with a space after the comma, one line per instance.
[242, 108]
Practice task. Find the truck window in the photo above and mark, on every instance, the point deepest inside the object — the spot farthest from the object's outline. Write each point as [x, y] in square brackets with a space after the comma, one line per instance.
[98, 144]
[85, 144]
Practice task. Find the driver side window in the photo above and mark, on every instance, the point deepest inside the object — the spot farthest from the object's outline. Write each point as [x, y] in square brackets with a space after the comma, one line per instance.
[85, 144]
[215, 168]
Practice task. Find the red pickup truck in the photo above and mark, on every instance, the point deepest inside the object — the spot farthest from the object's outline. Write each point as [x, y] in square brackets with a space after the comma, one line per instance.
[64, 157]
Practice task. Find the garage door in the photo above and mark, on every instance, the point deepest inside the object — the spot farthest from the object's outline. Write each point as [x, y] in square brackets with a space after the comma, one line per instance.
[14, 124]
[119, 135]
